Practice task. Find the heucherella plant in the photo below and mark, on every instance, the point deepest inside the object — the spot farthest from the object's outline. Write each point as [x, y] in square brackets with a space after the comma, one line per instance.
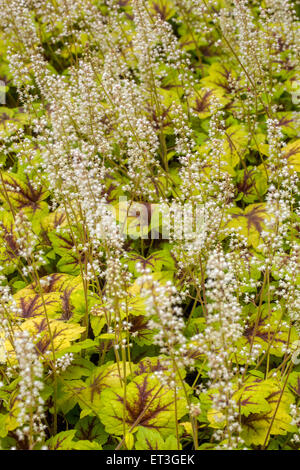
[149, 225]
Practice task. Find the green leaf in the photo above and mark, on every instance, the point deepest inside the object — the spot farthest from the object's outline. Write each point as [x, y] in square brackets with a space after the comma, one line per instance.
[23, 195]
[3, 428]
[35, 305]
[147, 404]
[291, 152]
[91, 429]
[79, 368]
[86, 445]
[219, 78]
[156, 261]
[110, 375]
[62, 334]
[151, 439]
[288, 122]
[235, 144]
[139, 332]
[203, 99]
[276, 420]
[9, 247]
[249, 222]
[251, 398]
[251, 184]
[68, 394]
[164, 9]
[264, 406]
[150, 365]
[62, 441]
[270, 330]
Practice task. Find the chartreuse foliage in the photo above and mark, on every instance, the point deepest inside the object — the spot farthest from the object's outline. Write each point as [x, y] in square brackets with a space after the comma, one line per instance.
[147, 403]
[106, 383]
[150, 439]
[257, 400]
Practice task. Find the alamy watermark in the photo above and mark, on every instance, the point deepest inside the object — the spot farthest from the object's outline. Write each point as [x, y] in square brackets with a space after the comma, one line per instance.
[177, 221]
[2, 92]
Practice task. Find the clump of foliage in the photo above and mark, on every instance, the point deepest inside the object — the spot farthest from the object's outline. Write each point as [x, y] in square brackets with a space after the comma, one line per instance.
[112, 335]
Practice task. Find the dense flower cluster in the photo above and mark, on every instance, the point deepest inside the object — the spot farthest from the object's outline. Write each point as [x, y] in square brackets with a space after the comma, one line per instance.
[29, 401]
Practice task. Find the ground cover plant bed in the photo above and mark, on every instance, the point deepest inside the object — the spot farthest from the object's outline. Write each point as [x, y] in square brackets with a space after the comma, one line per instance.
[149, 225]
